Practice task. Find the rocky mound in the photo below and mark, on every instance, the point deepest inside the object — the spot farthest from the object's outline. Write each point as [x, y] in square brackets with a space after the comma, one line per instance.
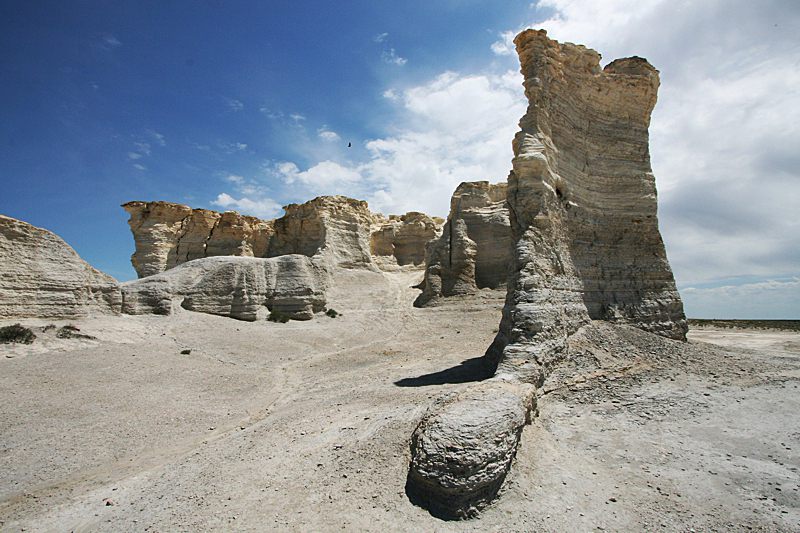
[42, 276]
[237, 287]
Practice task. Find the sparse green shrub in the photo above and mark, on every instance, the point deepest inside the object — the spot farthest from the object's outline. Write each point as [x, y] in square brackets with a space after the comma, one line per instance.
[72, 332]
[48, 327]
[186, 352]
[277, 316]
[16, 333]
[332, 313]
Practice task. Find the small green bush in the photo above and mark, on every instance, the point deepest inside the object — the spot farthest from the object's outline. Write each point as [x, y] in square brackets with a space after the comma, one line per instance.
[71, 332]
[186, 352]
[332, 313]
[16, 333]
[277, 316]
[48, 327]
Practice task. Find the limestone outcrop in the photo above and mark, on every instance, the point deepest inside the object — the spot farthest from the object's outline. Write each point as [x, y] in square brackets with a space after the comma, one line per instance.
[474, 249]
[42, 276]
[341, 230]
[402, 239]
[167, 234]
[237, 287]
[582, 205]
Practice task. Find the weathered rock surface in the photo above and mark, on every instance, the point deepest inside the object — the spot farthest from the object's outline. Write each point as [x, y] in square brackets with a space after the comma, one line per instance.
[238, 287]
[464, 446]
[42, 276]
[167, 234]
[341, 230]
[582, 205]
[474, 249]
[403, 238]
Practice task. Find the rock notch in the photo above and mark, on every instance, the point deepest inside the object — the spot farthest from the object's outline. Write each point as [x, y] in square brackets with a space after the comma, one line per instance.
[42, 276]
[582, 209]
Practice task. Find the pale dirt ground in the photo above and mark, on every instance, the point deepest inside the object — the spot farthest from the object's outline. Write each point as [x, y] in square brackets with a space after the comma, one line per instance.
[305, 426]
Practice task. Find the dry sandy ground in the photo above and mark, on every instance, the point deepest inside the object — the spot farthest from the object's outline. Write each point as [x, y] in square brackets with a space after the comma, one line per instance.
[305, 426]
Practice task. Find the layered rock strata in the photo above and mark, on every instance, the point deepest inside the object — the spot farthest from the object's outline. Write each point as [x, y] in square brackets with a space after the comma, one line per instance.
[237, 287]
[342, 230]
[474, 249]
[582, 205]
[403, 238]
[167, 234]
[42, 276]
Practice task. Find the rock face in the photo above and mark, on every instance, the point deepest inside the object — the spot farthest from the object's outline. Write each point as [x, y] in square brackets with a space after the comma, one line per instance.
[167, 234]
[403, 238]
[238, 287]
[582, 204]
[341, 230]
[42, 276]
[474, 249]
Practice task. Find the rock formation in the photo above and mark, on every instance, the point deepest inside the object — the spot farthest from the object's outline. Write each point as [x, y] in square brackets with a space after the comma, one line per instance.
[42, 276]
[342, 230]
[238, 287]
[582, 204]
[403, 238]
[167, 234]
[474, 249]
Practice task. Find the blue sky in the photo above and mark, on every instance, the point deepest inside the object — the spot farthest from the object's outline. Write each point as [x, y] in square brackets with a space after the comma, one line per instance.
[251, 105]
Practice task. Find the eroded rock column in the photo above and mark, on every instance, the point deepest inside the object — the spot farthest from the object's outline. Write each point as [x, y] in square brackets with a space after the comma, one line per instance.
[582, 204]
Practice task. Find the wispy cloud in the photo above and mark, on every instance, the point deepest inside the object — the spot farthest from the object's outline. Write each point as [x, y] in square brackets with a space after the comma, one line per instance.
[391, 57]
[328, 136]
[157, 137]
[134, 155]
[233, 105]
[379, 38]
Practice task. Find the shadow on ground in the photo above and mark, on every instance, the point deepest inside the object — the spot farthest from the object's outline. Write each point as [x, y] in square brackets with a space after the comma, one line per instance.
[475, 369]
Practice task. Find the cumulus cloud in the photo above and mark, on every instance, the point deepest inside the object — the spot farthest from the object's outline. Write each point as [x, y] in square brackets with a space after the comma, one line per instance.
[263, 208]
[724, 132]
[326, 135]
[437, 146]
[505, 46]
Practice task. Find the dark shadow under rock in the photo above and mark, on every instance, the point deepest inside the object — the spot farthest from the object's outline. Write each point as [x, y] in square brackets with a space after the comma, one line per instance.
[471, 370]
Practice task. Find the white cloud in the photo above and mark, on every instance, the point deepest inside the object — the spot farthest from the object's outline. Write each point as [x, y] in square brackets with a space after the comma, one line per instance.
[725, 131]
[505, 46]
[263, 208]
[392, 58]
[772, 299]
[437, 147]
[157, 137]
[391, 94]
[234, 105]
[327, 135]
[380, 37]
[140, 167]
[134, 155]
[111, 40]
[297, 117]
[143, 147]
